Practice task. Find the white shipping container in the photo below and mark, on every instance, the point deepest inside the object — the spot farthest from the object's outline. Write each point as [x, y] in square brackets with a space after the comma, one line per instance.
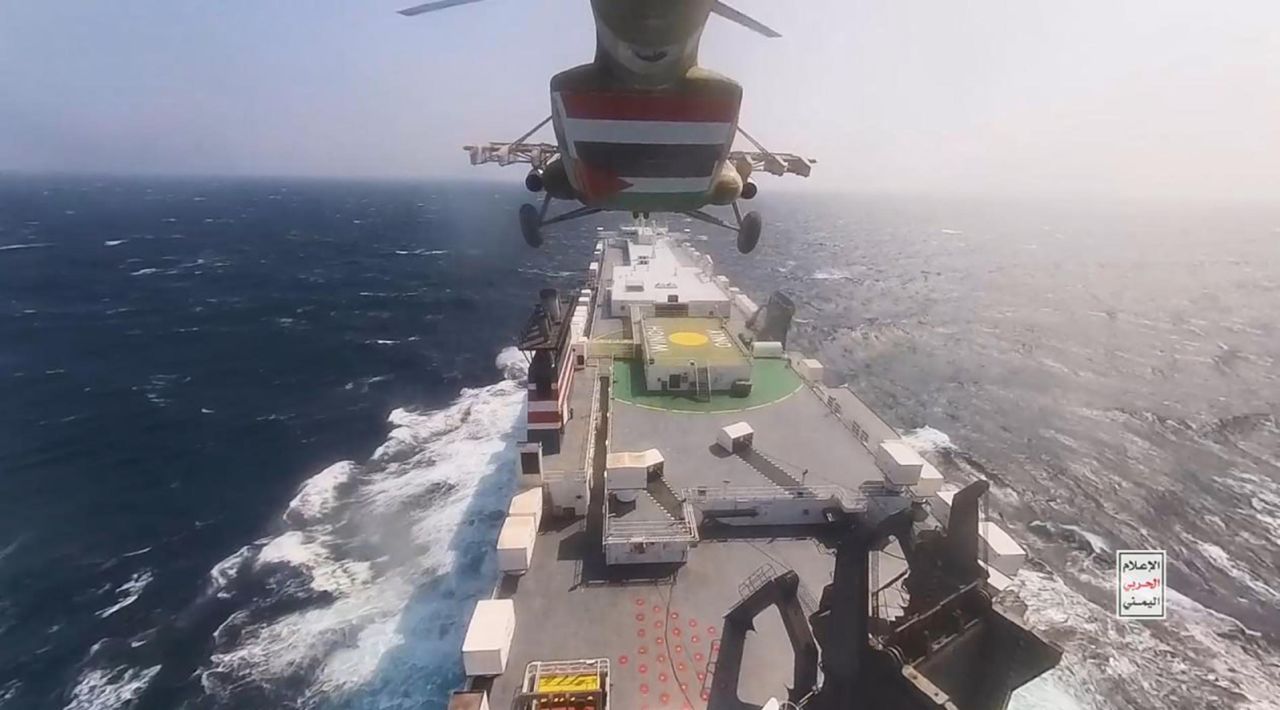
[996, 578]
[899, 463]
[488, 641]
[930, 481]
[1003, 552]
[940, 504]
[469, 700]
[515, 544]
[626, 478]
[528, 503]
[767, 349]
[811, 369]
[731, 437]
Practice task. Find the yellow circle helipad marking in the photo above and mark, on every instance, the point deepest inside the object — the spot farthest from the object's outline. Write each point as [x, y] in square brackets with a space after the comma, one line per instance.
[688, 339]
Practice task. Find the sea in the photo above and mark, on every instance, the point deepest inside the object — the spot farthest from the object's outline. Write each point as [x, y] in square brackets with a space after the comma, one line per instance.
[257, 435]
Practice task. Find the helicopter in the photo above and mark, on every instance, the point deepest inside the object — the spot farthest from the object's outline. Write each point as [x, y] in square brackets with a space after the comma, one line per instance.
[642, 128]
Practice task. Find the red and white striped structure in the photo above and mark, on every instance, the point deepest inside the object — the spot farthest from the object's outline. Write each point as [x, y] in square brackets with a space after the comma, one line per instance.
[624, 145]
[548, 411]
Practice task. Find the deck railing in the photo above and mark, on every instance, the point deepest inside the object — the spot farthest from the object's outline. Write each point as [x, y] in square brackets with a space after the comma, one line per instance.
[850, 500]
[648, 531]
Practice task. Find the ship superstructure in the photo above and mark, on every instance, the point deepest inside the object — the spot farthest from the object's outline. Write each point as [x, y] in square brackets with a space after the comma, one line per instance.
[683, 472]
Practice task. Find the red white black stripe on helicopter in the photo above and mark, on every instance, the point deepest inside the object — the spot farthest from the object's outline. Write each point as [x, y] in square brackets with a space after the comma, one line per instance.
[646, 143]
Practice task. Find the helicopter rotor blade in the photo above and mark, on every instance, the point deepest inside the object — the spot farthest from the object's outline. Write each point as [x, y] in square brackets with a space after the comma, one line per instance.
[741, 18]
[433, 6]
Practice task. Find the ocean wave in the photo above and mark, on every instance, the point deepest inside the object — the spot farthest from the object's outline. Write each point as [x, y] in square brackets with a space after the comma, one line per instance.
[1073, 536]
[319, 496]
[381, 560]
[1219, 558]
[926, 440]
[107, 689]
[421, 252]
[1194, 659]
[17, 247]
[127, 593]
[830, 275]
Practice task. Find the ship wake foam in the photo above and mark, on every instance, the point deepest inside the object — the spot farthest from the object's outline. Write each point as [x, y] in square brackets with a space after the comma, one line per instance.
[1196, 658]
[359, 601]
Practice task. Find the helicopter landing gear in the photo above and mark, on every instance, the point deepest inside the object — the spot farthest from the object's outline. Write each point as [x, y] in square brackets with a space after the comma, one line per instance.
[533, 219]
[531, 225]
[749, 232]
[750, 225]
[749, 190]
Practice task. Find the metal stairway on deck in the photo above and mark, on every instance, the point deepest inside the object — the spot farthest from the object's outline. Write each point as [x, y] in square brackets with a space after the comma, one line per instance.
[702, 383]
[766, 467]
[657, 488]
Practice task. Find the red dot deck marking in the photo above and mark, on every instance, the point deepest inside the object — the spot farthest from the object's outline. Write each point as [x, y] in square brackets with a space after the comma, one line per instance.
[657, 624]
[657, 609]
[622, 660]
[679, 648]
[642, 668]
[711, 630]
[693, 623]
[675, 615]
[662, 677]
[639, 633]
[664, 698]
[662, 658]
[697, 656]
[643, 650]
[693, 639]
[644, 688]
[639, 601]
[680, 667]
[675, 630]
[659, 640]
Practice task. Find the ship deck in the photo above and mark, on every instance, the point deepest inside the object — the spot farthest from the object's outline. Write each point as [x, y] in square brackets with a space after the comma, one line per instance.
[660, 624]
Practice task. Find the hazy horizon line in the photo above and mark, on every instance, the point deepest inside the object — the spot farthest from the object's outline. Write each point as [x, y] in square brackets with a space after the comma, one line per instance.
[786, 186]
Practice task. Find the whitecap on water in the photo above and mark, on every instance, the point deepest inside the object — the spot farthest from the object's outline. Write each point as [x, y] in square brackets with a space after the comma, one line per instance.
[16, 247]
[926, 439]
[127, 593]
[319, 495]
[107, 689]
[1177, 662]
[400, 547]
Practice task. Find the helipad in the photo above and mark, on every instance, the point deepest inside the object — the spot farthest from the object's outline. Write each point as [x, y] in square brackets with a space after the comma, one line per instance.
[680, 340]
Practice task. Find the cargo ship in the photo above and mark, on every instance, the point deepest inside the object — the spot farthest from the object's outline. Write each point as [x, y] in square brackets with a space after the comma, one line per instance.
[706, 519]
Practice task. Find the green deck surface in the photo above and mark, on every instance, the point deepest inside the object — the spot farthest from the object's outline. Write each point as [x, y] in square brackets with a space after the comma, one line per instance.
[771, 381]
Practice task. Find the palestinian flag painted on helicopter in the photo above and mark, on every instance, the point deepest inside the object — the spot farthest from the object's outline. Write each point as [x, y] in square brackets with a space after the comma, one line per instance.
[644, 143]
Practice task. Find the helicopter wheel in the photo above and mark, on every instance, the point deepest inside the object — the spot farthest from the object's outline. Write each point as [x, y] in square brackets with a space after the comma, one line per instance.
[749, 190]
[531, 225]
[749, 232]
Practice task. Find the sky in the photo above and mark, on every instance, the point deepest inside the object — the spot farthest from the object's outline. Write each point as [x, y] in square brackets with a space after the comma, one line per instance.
[1137, 98]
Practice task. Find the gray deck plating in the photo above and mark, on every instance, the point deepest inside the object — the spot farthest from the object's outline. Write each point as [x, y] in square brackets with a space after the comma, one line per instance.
[659, 625]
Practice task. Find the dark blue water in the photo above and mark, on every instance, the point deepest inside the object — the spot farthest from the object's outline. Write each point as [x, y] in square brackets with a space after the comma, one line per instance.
[177, 356]
[183, 362]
